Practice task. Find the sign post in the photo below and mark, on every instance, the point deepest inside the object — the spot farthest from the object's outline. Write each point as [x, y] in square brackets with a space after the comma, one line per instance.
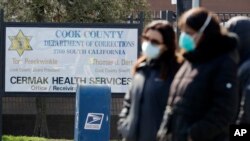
[1, 71]
[92, 116]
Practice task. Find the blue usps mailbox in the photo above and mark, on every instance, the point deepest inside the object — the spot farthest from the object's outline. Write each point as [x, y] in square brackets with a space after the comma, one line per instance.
[92, 116]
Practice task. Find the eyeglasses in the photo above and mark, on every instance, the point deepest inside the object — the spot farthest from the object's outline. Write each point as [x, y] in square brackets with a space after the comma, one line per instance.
[153, 41]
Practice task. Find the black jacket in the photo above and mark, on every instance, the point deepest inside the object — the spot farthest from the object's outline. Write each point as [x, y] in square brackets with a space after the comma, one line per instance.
[241, 26]
[144, 104]
[203, 95]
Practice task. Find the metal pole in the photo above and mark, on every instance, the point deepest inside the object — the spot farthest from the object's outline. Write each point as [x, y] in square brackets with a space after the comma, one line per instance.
[181, 7]
[1, 64]
[195, 3]
[179, 11]
[141, 25]
[1, 114]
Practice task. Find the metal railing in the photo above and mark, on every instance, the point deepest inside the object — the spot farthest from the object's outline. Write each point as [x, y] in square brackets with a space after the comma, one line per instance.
[138, 17]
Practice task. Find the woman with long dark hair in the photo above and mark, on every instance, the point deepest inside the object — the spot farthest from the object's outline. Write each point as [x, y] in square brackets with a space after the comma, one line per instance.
[153, 72]
[203, 96]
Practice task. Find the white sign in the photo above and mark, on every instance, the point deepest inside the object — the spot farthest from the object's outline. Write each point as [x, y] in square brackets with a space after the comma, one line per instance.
[173, 1]
[57, 59]
[94, 121]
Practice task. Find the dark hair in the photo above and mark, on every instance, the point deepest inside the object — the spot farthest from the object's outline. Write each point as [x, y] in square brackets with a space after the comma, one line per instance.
[166, 30]
[169, 39]
[196, 17]
[214, 40]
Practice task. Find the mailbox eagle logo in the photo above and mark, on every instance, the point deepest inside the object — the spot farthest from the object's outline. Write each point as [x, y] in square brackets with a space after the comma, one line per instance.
[20, 43]
[94, 121]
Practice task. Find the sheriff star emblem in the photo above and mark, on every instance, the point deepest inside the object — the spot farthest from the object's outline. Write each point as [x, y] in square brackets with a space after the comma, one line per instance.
[20, 43]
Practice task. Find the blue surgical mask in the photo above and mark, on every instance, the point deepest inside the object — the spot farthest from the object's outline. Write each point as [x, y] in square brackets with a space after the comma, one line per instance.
[150, 50]
[186, 42]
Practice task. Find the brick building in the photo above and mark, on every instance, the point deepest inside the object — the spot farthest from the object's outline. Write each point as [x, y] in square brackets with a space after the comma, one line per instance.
[214, 5]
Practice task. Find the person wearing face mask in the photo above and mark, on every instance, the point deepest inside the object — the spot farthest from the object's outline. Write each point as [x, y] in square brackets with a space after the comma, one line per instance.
[241, 26]
[203, 96]
[145, 102]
